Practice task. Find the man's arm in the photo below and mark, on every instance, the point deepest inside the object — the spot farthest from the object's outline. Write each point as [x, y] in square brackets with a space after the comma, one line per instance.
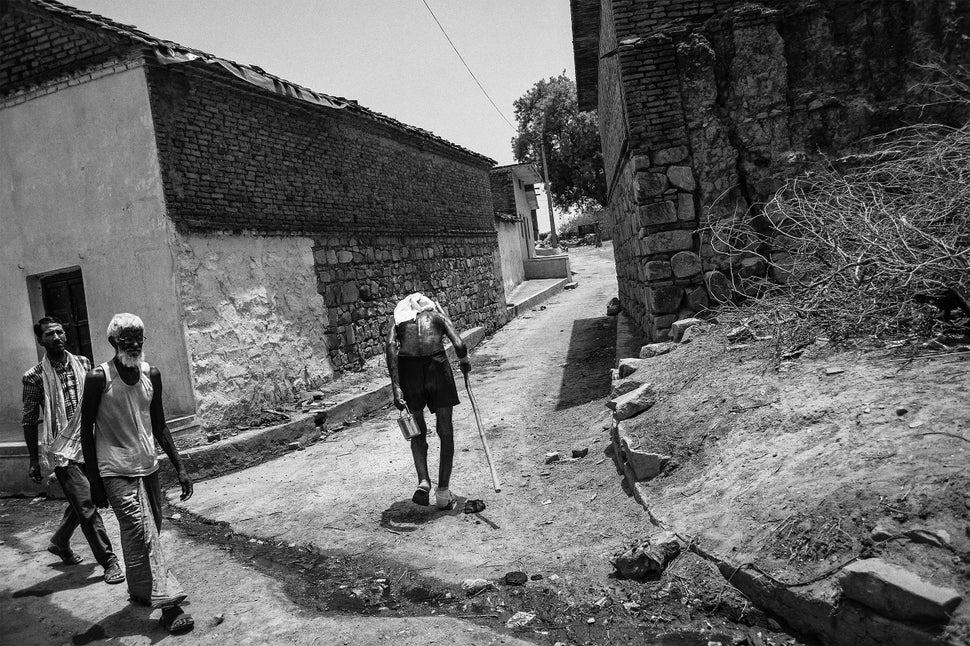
[461, 350]
[32, 397]
[163, 437]
[90, 401]
[390, 353]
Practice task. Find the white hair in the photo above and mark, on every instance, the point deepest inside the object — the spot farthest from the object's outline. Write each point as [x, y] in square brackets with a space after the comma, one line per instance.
[124, 321]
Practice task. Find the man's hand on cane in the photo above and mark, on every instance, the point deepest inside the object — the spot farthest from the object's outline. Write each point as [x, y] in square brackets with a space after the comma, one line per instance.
[465, 364]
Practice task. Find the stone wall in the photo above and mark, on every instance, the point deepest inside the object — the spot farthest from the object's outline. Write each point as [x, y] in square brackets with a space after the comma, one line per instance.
[254, 322]
[390, 209]
[706, 108]
[363, 277]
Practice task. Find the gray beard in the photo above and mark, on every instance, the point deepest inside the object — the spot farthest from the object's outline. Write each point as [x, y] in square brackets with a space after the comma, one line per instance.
[131, 360]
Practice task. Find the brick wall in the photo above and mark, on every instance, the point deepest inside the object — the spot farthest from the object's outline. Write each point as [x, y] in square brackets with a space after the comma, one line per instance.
[390, 212]
[725, 100]
[503, 191]
[36, 47]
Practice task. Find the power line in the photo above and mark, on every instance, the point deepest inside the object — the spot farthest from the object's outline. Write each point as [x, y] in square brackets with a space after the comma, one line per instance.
[462, 58]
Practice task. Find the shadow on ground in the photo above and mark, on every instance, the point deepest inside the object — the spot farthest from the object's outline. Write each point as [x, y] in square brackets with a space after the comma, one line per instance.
[591, 355]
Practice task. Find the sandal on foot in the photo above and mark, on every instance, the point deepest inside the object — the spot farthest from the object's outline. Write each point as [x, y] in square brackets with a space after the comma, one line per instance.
[474, 506]
[421, 496]
[113, 574]
[175, 621]
[444, 499]
[67, 555]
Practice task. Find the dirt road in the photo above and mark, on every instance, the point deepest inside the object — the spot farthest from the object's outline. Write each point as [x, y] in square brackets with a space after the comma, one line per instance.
[325, 542]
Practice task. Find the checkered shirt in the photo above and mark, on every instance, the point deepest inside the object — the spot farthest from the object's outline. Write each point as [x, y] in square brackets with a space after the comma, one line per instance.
[34, 390]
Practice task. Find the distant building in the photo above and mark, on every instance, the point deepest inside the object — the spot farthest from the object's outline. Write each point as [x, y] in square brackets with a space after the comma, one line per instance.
[515, 206]
[262, 230]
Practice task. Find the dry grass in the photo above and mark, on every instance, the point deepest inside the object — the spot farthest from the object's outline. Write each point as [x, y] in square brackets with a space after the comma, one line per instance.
[856, 254]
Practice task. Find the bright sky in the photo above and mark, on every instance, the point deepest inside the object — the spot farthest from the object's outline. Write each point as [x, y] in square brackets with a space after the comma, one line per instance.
[389, 55]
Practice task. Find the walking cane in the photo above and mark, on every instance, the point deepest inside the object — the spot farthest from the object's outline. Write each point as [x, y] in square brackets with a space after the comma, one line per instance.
[481, 434]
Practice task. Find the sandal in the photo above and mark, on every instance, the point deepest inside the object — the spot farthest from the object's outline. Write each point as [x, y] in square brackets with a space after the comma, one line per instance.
[444, 499]
[421, 496]
[67, 555]
[175, 621]
[113, 574]
[474, 506]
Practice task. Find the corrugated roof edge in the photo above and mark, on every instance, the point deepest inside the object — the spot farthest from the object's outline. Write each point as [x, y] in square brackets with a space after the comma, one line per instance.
[133, 33]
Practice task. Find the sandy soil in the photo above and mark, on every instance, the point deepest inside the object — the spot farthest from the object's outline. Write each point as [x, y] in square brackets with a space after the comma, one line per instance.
[791, 465]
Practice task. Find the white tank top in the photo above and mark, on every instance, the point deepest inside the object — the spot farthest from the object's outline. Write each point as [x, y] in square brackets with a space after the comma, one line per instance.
[123, 432]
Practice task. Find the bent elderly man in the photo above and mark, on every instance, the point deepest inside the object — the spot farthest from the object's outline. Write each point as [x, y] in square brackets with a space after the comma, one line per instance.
[121, 419]
[421, 376]
[54, 385]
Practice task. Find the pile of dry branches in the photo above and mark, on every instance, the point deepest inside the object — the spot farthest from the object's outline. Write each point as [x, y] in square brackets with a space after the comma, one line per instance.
[864, 252]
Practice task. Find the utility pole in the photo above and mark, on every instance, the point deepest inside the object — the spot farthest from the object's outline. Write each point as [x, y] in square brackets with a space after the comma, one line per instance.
[553, 238]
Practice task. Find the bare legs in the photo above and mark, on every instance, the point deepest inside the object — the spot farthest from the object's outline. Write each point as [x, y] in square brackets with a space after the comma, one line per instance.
[419, 448]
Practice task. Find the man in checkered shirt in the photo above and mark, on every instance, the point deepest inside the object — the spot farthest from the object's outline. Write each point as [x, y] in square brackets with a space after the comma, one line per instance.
[58, 445]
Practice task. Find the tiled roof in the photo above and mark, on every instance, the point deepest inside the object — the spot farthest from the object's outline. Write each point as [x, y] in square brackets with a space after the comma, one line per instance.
[171, 52]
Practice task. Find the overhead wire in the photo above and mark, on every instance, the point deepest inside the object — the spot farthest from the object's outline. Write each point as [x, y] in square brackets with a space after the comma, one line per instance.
[462, 59]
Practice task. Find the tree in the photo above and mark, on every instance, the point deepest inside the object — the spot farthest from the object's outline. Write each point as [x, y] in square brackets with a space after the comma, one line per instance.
[548, 115]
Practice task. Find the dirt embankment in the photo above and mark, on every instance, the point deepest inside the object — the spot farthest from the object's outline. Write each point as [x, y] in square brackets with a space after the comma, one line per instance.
[794, 468]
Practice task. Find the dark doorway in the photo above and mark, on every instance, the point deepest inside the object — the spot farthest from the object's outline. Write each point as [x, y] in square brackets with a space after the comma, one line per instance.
[63, 296]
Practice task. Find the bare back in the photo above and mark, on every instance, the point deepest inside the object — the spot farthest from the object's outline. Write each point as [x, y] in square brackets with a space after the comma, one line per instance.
[422, 337]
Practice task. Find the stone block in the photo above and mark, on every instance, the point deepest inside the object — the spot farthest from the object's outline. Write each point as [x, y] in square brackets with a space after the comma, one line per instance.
[644, 465]
[628, 366]
[897, 593]
[685, 207]
[669, 155]
[647, 561]
[685, 264]
[718, 286]
[641, 162]
[679, 327]
[682, 177]
[628, 384]
[658, 270]
[650, 185]
[649, 215]
[665, 299]
[633, 403]
[344, 256]
[667, 242]
[751, 266]
[656, 349]
[349, 293]
[697, 299]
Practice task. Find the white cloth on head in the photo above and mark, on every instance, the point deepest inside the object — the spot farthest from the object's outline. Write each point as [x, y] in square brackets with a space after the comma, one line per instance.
[411, 306]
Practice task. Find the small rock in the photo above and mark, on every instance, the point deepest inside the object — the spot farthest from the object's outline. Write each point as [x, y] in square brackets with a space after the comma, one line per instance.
[572, 285]
[648, 560]
[679, 327]
[627, 384]
[218, 619]
[656, 349]
[739, 334]
[520, 619]
[628, 366]
[834, 370]
[580, 453]
[295, 446]
[552, 457]
[937, 537]
[213, 436]
[591, 621]
[880, 533]
[897, 593]
[536, 577]
[515, 578]
[613, 307]
[900, 411]
[474, 586]
[176, 516]
[633, 403]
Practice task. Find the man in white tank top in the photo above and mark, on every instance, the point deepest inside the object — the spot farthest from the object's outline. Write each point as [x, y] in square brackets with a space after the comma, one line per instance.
[121, 419]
